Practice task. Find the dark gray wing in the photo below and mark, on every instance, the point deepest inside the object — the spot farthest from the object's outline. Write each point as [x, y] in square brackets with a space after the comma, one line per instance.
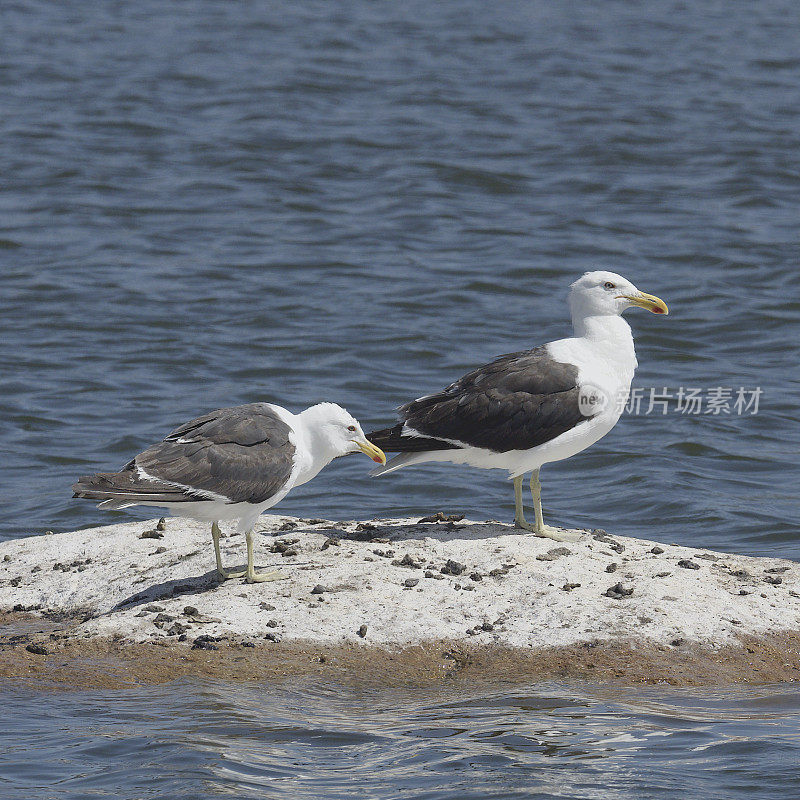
[519, 401]
[242, 453]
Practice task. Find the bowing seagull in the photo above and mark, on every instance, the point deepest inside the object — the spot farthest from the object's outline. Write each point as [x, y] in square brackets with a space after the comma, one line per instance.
[530, 408]
[233, 463]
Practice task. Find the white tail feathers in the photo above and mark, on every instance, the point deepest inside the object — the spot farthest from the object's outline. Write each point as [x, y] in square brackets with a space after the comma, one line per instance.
[400, 461]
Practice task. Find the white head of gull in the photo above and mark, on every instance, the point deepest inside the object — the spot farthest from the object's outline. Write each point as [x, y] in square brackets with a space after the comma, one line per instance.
[533, 407]
[233, 463]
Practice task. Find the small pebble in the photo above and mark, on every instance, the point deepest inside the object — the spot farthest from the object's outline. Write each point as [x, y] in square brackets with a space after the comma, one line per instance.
[612, 567]
[272, 623]
[475, 576]
[15, 581]
[319, 589]
[453, 567]
[688, 564]
[568, 587]
[773, 579]
[153, 608]
[190, 611]
[657, 551]
[37, 649]
[159, 550]
[266, 607]
[6, 558]
[678, 642]
[362, 631]
[272, 637]
[204, 643]
[618, 591]
[410, 582]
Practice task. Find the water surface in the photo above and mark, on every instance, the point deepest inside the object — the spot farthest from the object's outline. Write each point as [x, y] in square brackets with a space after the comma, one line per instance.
[209, 203]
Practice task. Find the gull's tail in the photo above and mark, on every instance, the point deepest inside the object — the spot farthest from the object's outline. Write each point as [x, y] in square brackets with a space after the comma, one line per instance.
[413, 448]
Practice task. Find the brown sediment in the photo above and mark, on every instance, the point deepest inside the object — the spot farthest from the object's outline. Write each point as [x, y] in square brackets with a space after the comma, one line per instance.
[76, 662]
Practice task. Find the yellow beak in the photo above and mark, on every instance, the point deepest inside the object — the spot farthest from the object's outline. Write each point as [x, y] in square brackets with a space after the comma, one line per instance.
[649, 301]
[375, 453]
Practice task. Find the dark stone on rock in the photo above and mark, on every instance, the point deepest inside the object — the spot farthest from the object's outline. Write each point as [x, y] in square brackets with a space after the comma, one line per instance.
[362, 631]
[159, 550]
[743, 592]
[37, 568]
[687, 563]
[498, 572]
[678, 642]
[331, 542]
[151, 534]
[475, 576]
[657, 551]
[319, 589]
[266, 607]
[741, 573]
[247, 644]
[545, 557]
[366, 526]
[6, 558]
[272, 637]
[58, 566]
[707, 557]
[408, 561]
[777, 570]
[410, 583]
[37, 649]
[380, 540]
[568, 587]
[453, 567]
[205, 642]
[775, 580]
[289, 553]
[153, 608]
[178, 628]
[15, 581]
[315, 521]
[663, 574]
[190, 611]
[487, 626]
[164, 618]
[612, 567]
[272, 623]
[618, 591]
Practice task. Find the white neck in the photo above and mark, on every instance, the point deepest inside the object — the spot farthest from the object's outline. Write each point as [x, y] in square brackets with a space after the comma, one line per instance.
[606, 332]
[320, 449]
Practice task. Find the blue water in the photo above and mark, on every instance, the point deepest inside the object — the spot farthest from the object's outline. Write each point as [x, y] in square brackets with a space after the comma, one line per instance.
[207, 203]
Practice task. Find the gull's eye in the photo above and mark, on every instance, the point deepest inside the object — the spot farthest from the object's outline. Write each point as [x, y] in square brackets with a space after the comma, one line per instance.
[351, 428]
[609, 285]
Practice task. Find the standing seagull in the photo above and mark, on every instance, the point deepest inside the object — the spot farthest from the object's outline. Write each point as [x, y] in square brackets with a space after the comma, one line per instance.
[527, 409]
[233, 463]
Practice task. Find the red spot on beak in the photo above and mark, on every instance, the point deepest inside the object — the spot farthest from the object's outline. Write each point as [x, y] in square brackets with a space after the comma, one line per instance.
[377, 460]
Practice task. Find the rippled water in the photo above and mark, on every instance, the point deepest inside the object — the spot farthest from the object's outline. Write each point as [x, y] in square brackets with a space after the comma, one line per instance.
[305, 741]
[208, 203]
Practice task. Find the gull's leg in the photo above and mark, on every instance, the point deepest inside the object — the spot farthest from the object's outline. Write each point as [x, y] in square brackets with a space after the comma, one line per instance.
[252, 576]
[540, 529]
[519, 511]
[222, 574]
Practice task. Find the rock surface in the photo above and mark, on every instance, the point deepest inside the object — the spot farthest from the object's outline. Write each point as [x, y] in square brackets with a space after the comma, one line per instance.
[395, 582]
